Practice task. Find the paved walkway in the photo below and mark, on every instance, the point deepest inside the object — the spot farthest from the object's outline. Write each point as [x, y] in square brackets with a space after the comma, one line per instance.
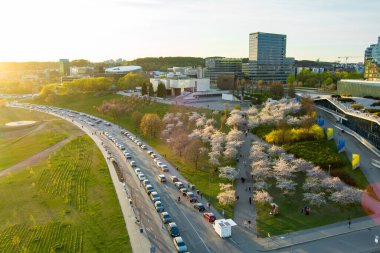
[36, 158]
[244, 211]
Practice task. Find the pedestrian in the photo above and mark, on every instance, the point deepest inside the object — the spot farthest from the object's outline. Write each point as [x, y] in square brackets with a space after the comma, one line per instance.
[177, 168]
[349, 224]
[237, 197]
[250, 200]
[197, 192]
[201, 195]
[241, 155]
[249, 189]
[209, 205]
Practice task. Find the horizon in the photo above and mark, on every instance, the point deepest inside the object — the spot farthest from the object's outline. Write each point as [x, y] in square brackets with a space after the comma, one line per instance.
[101, 30]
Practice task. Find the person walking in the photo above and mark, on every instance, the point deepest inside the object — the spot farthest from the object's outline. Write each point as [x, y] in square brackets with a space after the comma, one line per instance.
[250, 200]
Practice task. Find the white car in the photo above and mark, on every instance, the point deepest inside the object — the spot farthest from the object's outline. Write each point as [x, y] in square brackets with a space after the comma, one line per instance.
[179, 244]
[149, 152]
[164, 168]
[128, 156]
[153, 155]
[132, 163]
[141, 176]
[138, 171]
[159, 163]
[144, 147]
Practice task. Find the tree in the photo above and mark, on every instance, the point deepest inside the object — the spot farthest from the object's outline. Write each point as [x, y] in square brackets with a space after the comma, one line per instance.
[150, 90]
[291, 79]
[277, 90]
[227, 194]
[136, 118]
[131, 80]
[263, 197]
[161, 90]
[193, 152]
[144, 89]
[150, 125]
[180, 140]
[229, 173]
[291, 91]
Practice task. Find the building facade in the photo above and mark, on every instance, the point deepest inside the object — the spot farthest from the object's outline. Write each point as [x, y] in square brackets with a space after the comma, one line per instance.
[64, 67]
[267, 57]
[372, 62]
[221, 66]
[359, 88]
[175, 87]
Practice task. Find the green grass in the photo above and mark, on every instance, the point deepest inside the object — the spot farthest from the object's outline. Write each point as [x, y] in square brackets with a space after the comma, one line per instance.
[71, 190]
[324, 153]
[291, 219]
[19, 143]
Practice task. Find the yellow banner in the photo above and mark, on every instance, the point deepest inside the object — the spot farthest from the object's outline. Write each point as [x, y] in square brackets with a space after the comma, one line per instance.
[355, 161]
[330, 133]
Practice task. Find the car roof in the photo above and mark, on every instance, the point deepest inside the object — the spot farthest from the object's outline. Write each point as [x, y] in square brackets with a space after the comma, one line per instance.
[178, 239]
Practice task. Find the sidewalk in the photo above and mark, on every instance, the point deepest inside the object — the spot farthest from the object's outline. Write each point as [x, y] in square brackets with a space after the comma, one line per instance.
[315, 234]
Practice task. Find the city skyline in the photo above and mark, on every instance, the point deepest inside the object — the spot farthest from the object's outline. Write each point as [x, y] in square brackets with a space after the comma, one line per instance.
[99, 30]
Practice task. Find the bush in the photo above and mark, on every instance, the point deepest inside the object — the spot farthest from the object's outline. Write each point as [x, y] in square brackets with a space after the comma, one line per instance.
[263, 130]
[346, 100]
[376, 104]
[371, 97]
[346, 95]
[344, 177]
[294, 135]
[372, 110]
[357, 107]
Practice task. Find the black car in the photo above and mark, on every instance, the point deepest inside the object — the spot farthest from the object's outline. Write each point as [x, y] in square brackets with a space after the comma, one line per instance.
[200, 207]
[173, 229]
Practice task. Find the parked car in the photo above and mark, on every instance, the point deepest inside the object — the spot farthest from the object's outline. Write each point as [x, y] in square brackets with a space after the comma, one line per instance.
[161, 178]
[159, 207]
[149, 152]
[144, 147]
[128, 156]
[154, 196]
[173, 229]
[149, 188]
[210, 217]
[179, 244]
[122, 147]
[138, 171]
[141, 176]
[164, 168]
[153, 155]
[146, 182]
[174, 179]
[191, 197]
[132, 163]
[183, 191]
[200, 207]
[179, 185]
[165, 217]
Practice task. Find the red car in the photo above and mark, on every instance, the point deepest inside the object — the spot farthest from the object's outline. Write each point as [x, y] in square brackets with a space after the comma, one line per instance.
[210, 217]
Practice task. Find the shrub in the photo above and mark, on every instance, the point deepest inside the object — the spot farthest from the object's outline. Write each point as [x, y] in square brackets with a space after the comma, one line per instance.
[357, 107]
[346, 100]
[376, 104]
[371, 97]
[295, 135]
[346, 95]
[372, 110]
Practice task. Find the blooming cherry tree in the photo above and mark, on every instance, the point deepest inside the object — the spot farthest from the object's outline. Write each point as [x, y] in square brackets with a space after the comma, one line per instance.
[263, 197]
[317, 199]
[229, 173]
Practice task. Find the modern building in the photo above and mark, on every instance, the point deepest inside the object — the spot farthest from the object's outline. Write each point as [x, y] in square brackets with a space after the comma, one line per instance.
[82, 71]
[175, 87]
[267, 57]
[220, 66]
[123, 70]
[64, 67]
[359, 88]
[372, 62]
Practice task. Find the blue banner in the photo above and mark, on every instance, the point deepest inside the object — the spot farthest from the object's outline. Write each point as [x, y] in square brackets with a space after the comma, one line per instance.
[321, 122]
[341, 144]
[298, 99]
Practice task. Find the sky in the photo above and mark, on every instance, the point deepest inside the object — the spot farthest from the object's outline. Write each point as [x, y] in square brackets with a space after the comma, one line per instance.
[97, 30]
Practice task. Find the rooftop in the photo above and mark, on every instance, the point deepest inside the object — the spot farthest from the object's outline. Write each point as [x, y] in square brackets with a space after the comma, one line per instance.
[363, 82]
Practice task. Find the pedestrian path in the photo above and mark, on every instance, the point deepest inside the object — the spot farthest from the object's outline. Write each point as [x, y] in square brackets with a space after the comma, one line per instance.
[244, 209]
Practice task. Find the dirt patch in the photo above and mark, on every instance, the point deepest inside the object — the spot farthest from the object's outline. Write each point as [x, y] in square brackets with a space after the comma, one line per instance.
[20, 123]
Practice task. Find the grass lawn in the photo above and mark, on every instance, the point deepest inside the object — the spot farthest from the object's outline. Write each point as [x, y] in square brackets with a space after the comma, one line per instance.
[19, 143]
[291, 219]
[323, 153]
[205, 179]
[66, 203]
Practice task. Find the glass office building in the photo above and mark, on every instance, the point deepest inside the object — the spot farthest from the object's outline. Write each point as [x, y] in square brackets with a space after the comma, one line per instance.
[267, 57]
[64, 67]
[222, 66]
[372, 62]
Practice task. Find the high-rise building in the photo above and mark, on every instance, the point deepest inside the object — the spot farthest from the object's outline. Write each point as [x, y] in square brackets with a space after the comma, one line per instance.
[372, 62]
[64, 67]
[267, 57]
[216, 66]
